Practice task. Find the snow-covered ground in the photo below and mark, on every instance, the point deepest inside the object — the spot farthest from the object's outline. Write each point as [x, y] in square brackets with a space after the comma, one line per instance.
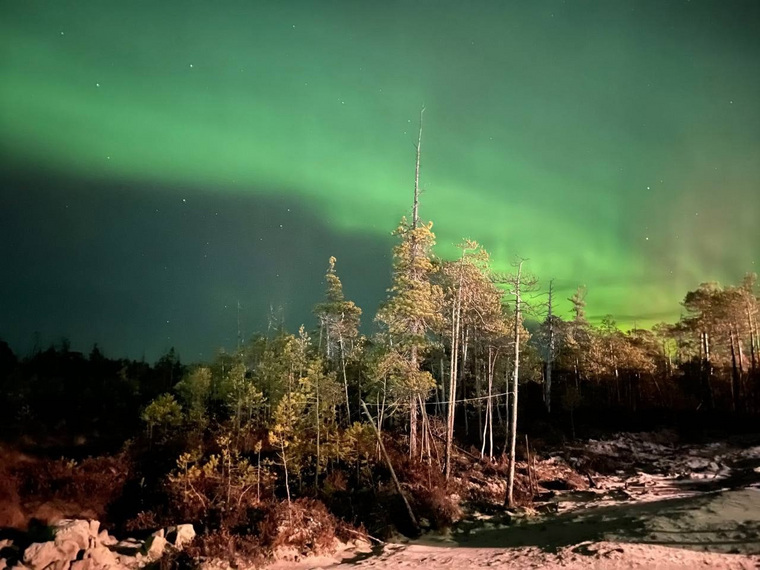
[658, 505]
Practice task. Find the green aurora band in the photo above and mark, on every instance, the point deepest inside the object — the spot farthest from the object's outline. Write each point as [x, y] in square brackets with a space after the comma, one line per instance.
[613, 144]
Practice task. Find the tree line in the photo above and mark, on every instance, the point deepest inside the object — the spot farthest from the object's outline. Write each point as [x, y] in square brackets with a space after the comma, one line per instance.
[459, 354]
[451, 352]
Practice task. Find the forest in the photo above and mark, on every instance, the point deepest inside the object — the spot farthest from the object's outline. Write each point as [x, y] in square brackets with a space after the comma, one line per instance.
[293, 438]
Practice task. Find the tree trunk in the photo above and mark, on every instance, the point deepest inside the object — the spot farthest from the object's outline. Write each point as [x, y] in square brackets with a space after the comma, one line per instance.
[734, 372]
[456, 312]
[478, 392]
[285, 468]
[549, 359]
[316, 471]
[442, 399]
[413, 427]
[707, 370]
[488, 430]
[461, 379]
[413, 412]
[345, 378]
[506, 411]
[516, 376]
[752, 346]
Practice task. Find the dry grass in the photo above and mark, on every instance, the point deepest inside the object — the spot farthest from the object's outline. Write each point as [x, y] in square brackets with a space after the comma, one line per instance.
[48, 490]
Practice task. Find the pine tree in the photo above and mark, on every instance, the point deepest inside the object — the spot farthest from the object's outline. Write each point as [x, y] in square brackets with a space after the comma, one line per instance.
[339, 325]
[411, 311]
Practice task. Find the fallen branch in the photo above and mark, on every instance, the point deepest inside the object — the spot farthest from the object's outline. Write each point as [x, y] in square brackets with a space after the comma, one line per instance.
[363, 535]
[390, 467]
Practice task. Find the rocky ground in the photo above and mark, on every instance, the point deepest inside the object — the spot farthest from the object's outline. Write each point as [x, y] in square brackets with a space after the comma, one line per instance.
[647, 502]
[81, 545]
[632, 501]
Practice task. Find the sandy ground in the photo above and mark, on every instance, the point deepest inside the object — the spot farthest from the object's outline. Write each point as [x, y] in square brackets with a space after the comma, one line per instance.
[675, 507]
[599, 555]
[718, 530]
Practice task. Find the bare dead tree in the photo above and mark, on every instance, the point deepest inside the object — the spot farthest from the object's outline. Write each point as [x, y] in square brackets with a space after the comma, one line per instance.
[515, 378]
[550, 354]
[519, 285]
[418, 146]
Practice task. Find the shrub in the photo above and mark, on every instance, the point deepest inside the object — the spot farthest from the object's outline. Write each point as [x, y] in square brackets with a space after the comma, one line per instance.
[162, 417]
[304, 525]
[220, 490]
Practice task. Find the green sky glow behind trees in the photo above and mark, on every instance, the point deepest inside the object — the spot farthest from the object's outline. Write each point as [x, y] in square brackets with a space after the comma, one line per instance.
[613, 144]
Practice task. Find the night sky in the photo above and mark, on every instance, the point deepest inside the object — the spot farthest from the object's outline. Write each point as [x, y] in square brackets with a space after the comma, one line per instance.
[161, 161]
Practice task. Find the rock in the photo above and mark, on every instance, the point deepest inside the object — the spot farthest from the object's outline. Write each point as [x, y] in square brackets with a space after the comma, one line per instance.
[3, 563]
[697, 463]
[42, 555]
[77, 531]
[103, 557]
[84, 564]
[130, 546]
[69, 548]
[154, 547]
[105, 539]
[160, 532]
[181, 535]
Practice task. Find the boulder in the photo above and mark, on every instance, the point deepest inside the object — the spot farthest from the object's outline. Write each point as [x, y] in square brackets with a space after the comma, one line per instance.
[129, 546]
[155, 546]
[84, 564]
[181, 535]
[103, 557]
[40, 555]
[697, 463]
[77, 531]
[105, 539]
[69, 548]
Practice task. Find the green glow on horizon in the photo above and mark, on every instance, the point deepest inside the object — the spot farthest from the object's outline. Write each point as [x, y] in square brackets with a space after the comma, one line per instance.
[611, 147]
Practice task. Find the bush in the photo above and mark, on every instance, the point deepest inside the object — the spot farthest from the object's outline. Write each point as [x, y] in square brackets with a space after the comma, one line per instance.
[219, 491]
[304, 525]
[67, 488]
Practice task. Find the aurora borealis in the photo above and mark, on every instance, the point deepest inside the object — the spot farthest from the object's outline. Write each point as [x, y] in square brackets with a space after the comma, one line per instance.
[162, 161]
